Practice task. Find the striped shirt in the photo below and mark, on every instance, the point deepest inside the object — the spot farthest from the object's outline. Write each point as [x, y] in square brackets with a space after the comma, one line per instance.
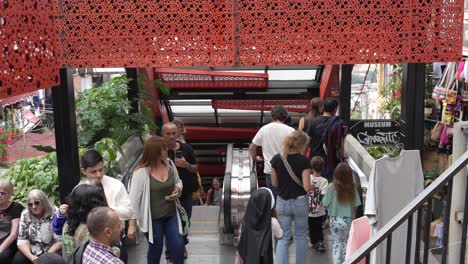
[98, 253]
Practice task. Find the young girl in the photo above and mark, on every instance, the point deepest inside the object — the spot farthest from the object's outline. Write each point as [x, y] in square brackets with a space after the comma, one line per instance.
[259, 229]
[341, 198]
[214, 194]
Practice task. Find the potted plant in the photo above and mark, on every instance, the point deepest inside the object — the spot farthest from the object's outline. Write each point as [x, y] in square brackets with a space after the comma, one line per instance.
[428, 106]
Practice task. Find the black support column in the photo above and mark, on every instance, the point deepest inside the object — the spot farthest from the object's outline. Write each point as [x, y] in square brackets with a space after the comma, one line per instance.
[132, 93]
[412, 105]
[66, 140]
[345, 91]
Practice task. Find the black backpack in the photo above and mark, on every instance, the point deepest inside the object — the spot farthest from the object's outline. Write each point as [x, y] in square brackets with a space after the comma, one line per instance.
[77, 256]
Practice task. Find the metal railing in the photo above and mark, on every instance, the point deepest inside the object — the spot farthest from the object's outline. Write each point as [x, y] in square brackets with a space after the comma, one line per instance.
[418, 204]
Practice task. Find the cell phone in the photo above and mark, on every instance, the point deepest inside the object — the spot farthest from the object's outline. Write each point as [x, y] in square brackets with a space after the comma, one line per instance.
[171, 196]
[178, 154]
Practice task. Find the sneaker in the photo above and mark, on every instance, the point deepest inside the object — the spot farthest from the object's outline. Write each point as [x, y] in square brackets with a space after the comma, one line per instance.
[311, 245]
[320, 247]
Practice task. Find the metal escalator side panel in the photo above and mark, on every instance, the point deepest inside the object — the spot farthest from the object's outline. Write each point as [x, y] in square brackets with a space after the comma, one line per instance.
[242, 181]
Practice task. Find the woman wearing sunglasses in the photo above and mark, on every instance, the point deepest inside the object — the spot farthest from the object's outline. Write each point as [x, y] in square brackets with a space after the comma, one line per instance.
[35, 235]
[10, 213]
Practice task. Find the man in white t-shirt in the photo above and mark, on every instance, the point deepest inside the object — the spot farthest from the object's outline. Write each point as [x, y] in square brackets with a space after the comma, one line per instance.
[270, 138]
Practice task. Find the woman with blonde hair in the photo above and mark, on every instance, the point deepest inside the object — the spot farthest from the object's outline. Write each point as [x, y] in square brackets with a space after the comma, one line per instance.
[35, 235]
[341, 198]
[291, 174]
[10, 213]
[154, 186]
[316, 105]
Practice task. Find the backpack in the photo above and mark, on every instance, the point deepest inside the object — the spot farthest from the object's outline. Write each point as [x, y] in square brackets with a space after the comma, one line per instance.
[77, 256]
[332, 139]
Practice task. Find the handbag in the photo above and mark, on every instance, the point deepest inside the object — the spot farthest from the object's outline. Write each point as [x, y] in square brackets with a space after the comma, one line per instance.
[182, 219]
[452, 93]
[436, 131]
[291, 172]
[445, 83]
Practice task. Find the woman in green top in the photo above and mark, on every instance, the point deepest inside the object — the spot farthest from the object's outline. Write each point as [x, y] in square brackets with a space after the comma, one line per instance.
[82, 199]
[154, 186]
[341, 198]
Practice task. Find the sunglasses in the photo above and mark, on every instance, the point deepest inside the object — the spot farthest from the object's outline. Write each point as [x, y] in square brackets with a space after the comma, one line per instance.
[36, 203]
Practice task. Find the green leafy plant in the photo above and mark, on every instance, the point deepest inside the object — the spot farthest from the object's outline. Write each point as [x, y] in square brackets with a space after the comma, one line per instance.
[109, 150]
[391, 93]
[35, 173]
[378, 152]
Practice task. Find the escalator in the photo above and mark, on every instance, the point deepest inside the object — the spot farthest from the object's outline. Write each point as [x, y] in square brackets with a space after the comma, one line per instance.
[240, 179]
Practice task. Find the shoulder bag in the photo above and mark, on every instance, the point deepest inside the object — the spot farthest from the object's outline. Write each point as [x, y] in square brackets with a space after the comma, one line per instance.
[291, 172]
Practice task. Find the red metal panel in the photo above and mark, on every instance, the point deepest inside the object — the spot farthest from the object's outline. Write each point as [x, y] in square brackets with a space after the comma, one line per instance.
[301, 106]
[259, 32]
[349, 32]
[139, 33]
[194, 79]
[330, 83]
[29, 46]
[219, 133]
[147, 33]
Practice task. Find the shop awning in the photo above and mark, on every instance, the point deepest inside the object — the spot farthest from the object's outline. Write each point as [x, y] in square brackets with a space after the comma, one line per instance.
[14, 99]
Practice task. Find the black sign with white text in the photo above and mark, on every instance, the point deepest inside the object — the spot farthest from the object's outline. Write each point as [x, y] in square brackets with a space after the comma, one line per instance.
[376, 132]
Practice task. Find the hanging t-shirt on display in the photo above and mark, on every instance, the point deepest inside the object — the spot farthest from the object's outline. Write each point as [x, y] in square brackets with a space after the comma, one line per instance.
[393, 183]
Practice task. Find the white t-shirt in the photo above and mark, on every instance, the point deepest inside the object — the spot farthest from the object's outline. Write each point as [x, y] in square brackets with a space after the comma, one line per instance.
[316, 209]
[393, 183]
[270, 138]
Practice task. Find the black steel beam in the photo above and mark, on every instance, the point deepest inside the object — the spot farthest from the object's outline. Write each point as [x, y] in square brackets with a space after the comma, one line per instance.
[345, 91]
[412, 105]
[132, 92]
[66, 140]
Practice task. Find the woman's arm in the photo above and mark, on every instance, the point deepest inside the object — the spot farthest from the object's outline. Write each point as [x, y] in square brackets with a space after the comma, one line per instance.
[131, 232]
[301, 124]
[274, 178]
[208, 197]
[12, 237]
[56, 247]
[306, 180]
[26, 250]
[276, 228]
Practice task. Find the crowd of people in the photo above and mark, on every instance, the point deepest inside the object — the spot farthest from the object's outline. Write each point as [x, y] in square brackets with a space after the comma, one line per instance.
[311, 182]
[307, 182]
[90, 226]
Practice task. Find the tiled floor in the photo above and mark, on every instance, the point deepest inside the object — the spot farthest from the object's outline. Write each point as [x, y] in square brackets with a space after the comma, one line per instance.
[205, 249]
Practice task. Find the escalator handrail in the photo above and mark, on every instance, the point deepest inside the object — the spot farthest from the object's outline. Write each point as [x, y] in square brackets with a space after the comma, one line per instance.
[227, 191]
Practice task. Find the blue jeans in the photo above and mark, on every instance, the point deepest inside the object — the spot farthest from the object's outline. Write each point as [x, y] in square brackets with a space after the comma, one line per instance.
[288, 211]
[166, 227]
[270, 186]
